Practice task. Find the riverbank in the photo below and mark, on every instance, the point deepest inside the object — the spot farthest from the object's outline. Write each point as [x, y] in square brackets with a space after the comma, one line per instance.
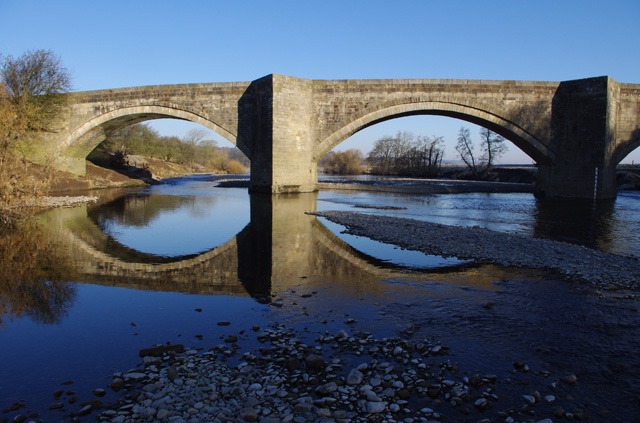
[599, 269]
[424, 186]
[347, 376]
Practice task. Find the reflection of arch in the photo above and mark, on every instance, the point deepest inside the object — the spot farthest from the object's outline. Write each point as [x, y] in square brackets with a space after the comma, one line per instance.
[90, 236]
[521, 138]
[260, 260]
[86, 137]
[146, 267]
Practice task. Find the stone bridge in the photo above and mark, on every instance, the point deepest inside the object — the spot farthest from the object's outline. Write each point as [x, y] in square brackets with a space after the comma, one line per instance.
[576, 131]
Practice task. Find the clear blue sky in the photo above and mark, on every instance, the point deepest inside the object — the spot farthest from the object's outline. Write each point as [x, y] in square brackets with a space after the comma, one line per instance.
[116, 43]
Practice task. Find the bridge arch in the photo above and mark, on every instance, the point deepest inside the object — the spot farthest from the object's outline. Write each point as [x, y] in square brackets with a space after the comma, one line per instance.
[528, 143]
[627, 147]
[90, 134]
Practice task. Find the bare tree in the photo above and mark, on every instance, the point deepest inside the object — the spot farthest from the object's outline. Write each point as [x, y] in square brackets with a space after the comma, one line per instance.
[34, 82]
[196, 136]
[406, 154]
[30, 99]
[465, 148]
[35, 73]
[493, 146]
[381, 157]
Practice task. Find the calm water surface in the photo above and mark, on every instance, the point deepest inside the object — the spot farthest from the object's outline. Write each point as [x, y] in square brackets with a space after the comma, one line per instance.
[84, 289]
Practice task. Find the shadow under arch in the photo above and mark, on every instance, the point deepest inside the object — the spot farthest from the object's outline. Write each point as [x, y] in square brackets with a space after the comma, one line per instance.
[87, 137]
[527, 142]
[627, 147]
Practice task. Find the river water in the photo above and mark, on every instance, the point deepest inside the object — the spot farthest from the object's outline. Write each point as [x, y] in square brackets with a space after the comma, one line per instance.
[83, 289]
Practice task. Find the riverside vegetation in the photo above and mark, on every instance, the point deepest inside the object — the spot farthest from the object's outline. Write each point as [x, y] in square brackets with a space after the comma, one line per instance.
[32, 89]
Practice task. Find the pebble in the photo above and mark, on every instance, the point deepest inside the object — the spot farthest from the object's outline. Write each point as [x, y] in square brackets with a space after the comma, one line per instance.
[248, 415]
[355, 377]
[570, 379]
[375, 407]
[480, 403]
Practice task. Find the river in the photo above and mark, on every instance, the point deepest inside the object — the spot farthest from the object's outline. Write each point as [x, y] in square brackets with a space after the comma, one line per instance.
[83, 289]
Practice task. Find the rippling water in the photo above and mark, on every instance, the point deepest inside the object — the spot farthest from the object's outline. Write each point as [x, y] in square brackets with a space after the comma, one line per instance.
[86, 288]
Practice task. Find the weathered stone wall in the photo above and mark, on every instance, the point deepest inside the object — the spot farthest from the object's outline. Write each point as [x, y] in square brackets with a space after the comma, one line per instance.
[519, 110]
[93, 115]
[276, 114]
[293, 136]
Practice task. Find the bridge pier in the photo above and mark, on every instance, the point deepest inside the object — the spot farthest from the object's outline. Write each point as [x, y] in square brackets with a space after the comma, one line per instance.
[583, 137]
[275, 122]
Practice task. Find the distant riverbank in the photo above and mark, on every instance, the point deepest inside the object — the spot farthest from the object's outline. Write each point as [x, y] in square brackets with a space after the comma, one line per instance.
[424, 186]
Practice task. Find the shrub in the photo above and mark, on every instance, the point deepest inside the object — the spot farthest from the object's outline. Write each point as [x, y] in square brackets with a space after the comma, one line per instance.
[234, 167]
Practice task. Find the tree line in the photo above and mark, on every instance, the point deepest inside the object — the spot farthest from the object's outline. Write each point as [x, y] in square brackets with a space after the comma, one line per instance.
[406, 154]
[194, 150]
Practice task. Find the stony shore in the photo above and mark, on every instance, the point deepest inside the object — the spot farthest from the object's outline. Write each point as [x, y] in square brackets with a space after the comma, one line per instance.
[341, 377]
[66, 201]
[8, 216]
[599, 269]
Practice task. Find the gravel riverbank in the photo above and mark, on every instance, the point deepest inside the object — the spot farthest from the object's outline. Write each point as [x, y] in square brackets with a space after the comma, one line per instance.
[66, 201]
[341, 377]
[601, 270]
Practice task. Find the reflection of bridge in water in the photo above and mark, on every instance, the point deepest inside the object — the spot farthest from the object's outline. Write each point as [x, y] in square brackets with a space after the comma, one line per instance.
[278, 249]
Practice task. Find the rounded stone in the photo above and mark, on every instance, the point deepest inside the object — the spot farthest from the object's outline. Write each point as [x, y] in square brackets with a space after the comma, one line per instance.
[355, 377]
[375, 407]
[315, 361]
